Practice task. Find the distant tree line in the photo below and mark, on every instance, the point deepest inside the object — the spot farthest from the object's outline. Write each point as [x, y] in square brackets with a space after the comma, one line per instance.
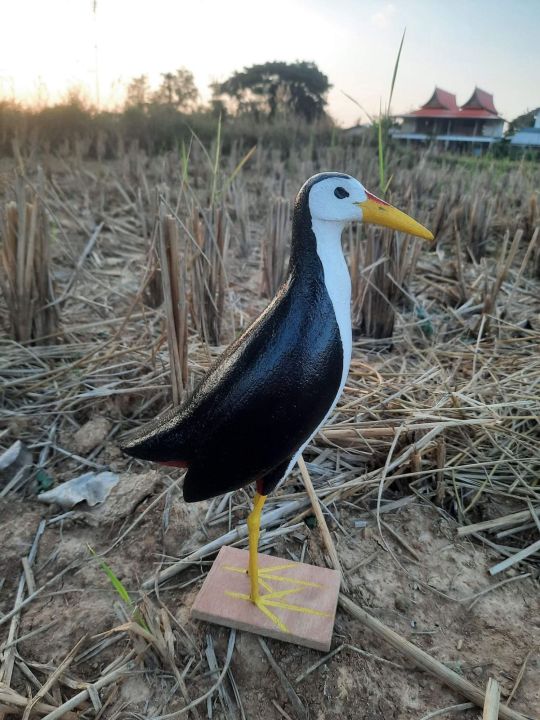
[266, 91]
[275, 99]
[177, 90]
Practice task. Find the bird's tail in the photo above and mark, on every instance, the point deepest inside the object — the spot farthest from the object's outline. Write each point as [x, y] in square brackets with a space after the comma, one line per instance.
[159, 441]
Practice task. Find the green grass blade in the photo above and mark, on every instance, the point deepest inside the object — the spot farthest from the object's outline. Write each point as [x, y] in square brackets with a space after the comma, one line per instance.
[194, 136]
[395, 72]
[350, 97]
[381, 152]
[216, 163]
[240, 165]
[388, 184]
[184, 160]
[384, 118]
[115, 582]
[120, 589]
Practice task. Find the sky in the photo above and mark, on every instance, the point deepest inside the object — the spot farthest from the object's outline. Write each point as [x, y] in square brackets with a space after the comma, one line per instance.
[49, 46]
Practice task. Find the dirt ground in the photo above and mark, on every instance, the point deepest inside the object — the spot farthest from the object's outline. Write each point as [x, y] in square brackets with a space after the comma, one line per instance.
[427, 600]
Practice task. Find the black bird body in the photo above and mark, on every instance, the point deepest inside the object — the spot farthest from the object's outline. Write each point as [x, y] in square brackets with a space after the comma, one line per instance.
[266, 395]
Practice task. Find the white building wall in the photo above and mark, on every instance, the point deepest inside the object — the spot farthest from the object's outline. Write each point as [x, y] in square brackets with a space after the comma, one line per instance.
[408, 125]
[493, 128]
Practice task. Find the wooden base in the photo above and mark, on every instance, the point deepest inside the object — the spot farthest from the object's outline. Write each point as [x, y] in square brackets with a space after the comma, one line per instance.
[298, 600]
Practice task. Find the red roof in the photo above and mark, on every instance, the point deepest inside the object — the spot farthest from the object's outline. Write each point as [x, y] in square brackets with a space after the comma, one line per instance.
[481, 113]
[442, 104]
[434, 113]
[473, 114]
[480, 100]
[442, 100]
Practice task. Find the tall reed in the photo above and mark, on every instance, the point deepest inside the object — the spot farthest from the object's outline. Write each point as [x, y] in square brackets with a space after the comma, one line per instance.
[274, 247]
[25, 259]
[210, 230]
[173, 276]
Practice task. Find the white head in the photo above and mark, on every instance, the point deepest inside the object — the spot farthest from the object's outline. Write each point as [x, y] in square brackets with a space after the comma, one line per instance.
[339, 198]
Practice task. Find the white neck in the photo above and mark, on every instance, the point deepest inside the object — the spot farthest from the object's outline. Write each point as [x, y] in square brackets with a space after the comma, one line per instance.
[338, 283]
[338, 286]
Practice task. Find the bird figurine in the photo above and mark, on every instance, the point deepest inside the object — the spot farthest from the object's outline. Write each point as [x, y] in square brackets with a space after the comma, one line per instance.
[268, 394]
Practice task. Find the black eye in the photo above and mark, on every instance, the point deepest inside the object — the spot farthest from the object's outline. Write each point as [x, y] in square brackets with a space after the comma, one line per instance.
[341, 193]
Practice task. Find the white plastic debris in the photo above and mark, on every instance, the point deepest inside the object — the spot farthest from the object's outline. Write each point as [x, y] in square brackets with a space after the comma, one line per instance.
[92, 487]
[14, 466]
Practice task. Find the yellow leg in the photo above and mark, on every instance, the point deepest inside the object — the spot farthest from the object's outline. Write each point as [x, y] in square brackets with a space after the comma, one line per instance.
[272, 598]
[254, 524]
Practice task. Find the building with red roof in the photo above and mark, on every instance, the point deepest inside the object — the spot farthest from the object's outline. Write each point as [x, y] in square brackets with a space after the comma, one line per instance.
[474, 124]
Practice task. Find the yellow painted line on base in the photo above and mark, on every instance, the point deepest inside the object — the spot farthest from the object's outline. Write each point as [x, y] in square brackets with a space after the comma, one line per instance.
[269, 614]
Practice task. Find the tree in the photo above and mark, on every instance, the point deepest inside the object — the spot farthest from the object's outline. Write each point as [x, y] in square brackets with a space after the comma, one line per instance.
[138, 92]
[177, 89]
[275, 88]
[522, 121]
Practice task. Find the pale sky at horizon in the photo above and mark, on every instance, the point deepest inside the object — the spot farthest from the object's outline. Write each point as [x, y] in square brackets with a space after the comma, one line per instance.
[490, 43]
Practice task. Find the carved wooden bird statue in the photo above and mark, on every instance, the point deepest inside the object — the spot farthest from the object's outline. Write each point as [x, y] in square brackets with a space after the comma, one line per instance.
[274, 387]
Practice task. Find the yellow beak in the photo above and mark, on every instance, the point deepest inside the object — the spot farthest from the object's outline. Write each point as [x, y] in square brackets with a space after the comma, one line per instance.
[378, 212]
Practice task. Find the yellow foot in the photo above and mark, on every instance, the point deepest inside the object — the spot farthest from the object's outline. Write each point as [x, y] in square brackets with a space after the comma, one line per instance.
[274, 598]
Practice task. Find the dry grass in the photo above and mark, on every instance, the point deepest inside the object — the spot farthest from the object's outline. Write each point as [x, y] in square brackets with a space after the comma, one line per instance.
[26, 280]
[173, 274]
[383, 267]
[211, 234]
[448, 414]
[464, 334]
[275, 245]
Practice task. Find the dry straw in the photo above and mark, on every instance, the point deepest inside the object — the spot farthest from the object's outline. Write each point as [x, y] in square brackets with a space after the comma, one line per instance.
[211, 233]
[448, 415]
[26, 278]
[173, 275]
[275, 243]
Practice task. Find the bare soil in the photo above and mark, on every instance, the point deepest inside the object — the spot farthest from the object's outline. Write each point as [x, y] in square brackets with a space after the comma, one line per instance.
[424, 600]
